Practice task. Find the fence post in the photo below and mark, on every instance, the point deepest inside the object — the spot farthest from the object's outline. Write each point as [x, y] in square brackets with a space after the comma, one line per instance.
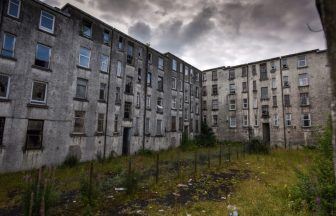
[195, 164]
[237, 153]
[90, 181]
[229, 153]
[157, 168]
[209, 158]
[178, 165]
[220, 154]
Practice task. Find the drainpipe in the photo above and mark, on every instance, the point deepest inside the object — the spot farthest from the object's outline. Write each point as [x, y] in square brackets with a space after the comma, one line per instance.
[145, 102]
[248, 104]
[108, 95]
[2, 13]
[283, 106]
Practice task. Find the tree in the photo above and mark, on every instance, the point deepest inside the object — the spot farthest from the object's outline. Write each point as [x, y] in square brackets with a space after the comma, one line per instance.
[207, 136]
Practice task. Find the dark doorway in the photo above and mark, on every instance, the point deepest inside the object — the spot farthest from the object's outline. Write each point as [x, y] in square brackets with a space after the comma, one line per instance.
[126, 141]
[186, 129]
[266, 133]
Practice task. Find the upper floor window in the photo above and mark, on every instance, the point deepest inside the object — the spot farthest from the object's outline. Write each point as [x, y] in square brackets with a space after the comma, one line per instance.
[286, 100]
[215, 104]
[264, 93]
[204, 77]
[254, 85]
[103, 92]
[232, 122]
[303, 79]
[288, 119]
[100, 122]
[173, 83]
[263, 71]
[43, 54]
[2, 129]
[130, 50]
[84, 57]
[34, 134]
[232, 88]
[47, 22]
[215, 120]
[106, 37]
[181, 68]
[104, 63]
[231, 74]
[304, 99]
[232, 104]
[284, 63]
[174, 65]
[244, 71]
[214, 75]
[276, 120]
[254, 70]
[264, 111]
[149, 79]
[161, 63]
[39, 92]
[139, 75]
[302, 61]
[81, 89]
[273, 83]
[119, 69]
[285, 80]
[87, 29]
[129, 85]
[14, 7]
[120, 42]
[140, 51]
[273, 67]
[128, 110]
[305, 120]
[4, 86]
[245, 103]
[159, 127]
[79, 122]
[138, 100]
[150, 56]
[244, 85]
[214, 90]
[8, 45]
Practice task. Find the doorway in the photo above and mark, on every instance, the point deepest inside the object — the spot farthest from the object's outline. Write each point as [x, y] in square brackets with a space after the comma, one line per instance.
[126, 141]
[266, 133]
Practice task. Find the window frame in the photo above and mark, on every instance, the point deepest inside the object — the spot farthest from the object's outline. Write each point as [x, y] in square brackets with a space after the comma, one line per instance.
[303, 81]
[86, 88]
[18, 12]
[231, 118]
[288, 119]
[4, 43]
[303, 120]
[301, 60]
[49, 55]
[82, 120]
[232, 106]
[119, 69]
[82, 29]
[104, 90]
[107, 58]
[2, 129]
[43, 28]
[101, 123]
[82, 55]
[8, 86]
[45, 93]
[40, 135]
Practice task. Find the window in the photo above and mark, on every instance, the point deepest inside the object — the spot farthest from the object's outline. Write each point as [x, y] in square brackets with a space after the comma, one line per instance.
[232, 104]
[118, 99]
[256, 123]
[197, 108]
[276, 120]
[87, 29]
[254, 85]
[302, 61]
[263, 71]
[244, 71]
[264, 93]
[160, 83]
[120, 43]
[149, 79]
[214, 104]
[231, 74]
[181, 68]
[245, 121]
[102, 92]
[161, 63]
[303, 79]
[185, 113]
[214, 75]
[273, 83]
[244, 85]
[304, 99]
[275, 101]
[79, 122]
[180, 124]
[204, 118]
[81, 90]
[139, 75]
[173, 123]
[285, 81]
[204, 91]
[264, 111]
[173, 83]
[286, 100]
[116, 118]
[104, 63]
[34, 134]
[273, 67]
[136, 127]
[254, 70]
[197, 126]
[255, 103]
[129, 85]
[42, 57]
[2, 129]
[127, 110]
[100, 122]
[119, 69]
[148, 102]
[288, 119]
[245, 103]
[39, 92]
[159, 104]
[14, 7]
[8, 45]
[214, 90]
[174, 103]
[204, 105]
[305, 120]
[174, 65]
[150, 58]
[4, 86]
[215, 120]
[84, 57]
[186, 71]
[106, 37]
[197, 92]
[181, 104]
[284, 63]
[130, 50]
[140, 51]
[47, 22]
[159, 127]
[147, 126]
[204, 77]
[233, 122]
[138, 100]
[232, 88]
[181, 85]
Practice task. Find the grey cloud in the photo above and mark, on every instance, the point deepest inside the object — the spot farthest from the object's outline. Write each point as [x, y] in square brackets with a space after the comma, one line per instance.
[55, 3]
[141, 31]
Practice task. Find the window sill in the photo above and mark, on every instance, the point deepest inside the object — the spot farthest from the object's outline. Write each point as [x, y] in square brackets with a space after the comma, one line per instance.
[174, 109]
[137, 107]
[102, 101]
[160, 135]
[115, 134]
[285, 68]
[304, 105]
[264, 99]
[264, 79]
[80, 99]
[104, 72]
[303, 86]
[83, 68]
[8, 57]
[232, 110]
[5, 100]
[77, 135]
[127, 119]
[99, 134]
[287, 86]
[302, 67]
[46, 32]
[85, 36]
[36, 105]
[41, 68]
[273, 89]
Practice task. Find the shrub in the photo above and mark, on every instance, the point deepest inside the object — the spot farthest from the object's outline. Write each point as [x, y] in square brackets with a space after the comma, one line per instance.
[207, 136]
[315, 188]
[258, 147]
[186, 143]
[99, 157]
[145, 152]
[70, 161]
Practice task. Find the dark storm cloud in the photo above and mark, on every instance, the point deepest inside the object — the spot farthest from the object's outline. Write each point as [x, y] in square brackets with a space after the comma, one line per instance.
[141, 31]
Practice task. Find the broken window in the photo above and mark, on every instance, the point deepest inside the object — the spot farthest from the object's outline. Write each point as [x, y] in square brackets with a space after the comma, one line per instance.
[4, 86]
[87, 29]
[285, 81]
[79, 122]
[127, 110]
[129, 85]
[42, 57]
[34, 134]
[39, 92]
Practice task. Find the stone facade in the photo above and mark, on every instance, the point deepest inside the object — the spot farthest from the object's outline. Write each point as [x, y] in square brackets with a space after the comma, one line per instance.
[255, 99]
[73, 85]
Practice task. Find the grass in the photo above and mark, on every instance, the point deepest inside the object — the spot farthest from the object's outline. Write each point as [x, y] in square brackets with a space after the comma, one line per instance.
[263, 192]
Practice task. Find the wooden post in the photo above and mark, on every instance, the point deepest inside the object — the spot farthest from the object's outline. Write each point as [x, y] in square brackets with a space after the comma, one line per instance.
[195, 164]
[157, 168]
[90, 181]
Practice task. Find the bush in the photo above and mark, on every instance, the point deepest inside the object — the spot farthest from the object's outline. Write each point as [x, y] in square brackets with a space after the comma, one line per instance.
[316, 188]
[258, 147]
[99, 157]
[145, 152]
[70, 161]
[207, 137]
[186, 143]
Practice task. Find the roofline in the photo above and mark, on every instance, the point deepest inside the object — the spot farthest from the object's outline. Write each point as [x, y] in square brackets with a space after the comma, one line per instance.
[169, 53]
[54, 9]
[260, 61]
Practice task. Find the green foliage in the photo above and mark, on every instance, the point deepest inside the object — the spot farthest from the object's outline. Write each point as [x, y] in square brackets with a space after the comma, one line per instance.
[316, 188]
[145, 152]
[70, 161]
[258, 147]
[131, 181]
[100, 157]
[89, 191]
[207, 137]
[186, 143]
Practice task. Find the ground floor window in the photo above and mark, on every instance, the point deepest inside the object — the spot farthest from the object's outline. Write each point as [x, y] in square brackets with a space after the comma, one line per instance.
[2, 129]
[34, 134]
[233, 122]
[159, 127]
[100, 125]
[79, 122]
[306, 121]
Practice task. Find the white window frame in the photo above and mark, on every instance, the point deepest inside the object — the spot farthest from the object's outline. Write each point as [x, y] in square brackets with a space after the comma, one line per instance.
[214, 104]
[161, 63]
[288, 117]
[7, 90]
[104, 64]
[232, 106]
[119, 69]
[305, 80]
[174, 65]
[245, 105]
[306, 98]
[303, 119]
[245, 120]
[256, 120]
[19, 9]
[138, 99]
[53, 23]
[49, 55]
[231, 118]
[174, 103]
[255, 103]
[80, 55]
[148, 102]
[276, 120]
[232, 90]
[6, 34]
[174, 83]
[274, 83]
[45, 93]
[299, 61]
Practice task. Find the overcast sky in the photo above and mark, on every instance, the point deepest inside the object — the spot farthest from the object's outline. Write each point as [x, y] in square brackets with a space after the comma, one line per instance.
[212, 33]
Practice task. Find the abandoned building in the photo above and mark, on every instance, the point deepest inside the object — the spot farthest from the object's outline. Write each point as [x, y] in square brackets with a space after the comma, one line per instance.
[284, 101]
[71, 84]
